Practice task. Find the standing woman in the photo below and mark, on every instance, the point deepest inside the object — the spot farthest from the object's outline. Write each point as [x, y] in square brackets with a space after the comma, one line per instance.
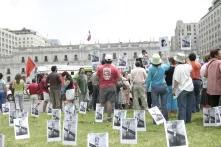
[3, 91]
[18, 86]
[156, 79]
[213, 74]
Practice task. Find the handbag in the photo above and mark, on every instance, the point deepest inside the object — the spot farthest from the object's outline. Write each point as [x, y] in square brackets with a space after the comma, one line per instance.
[70, 94]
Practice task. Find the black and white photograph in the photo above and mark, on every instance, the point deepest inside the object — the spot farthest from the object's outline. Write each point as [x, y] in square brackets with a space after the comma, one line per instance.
[49, 109]
[83, 107]
[99, 114]
[157, 115]
[21, 128]
[35, 109]
[70, 132]
[2, 140]
[97, 140]
[176, 133]
[209, 117]
[12, 116]
[5, 108]
[186, 42]
[56, 114]
[53, 130]
[95, 56]
[22, 114]
[70, 113]
[122, 61]
[164, 43]
[128, 131]
[141, 120]
[118, 115]
[217, 116]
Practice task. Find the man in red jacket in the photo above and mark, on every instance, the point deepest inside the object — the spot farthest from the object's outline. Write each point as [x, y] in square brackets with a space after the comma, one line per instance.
[108, 76]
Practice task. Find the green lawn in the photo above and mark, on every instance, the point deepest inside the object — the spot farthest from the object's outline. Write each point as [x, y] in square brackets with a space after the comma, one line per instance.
[198, 136]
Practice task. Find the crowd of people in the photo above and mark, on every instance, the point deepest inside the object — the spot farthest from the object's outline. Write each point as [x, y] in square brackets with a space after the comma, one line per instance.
[179, 84]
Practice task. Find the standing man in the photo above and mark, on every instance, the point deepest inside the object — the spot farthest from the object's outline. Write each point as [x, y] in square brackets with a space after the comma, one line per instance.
[108, 76]
[32, 90]
[138, 78]
[195, 75]
[183, 88]
[3, 91]
[54, 82]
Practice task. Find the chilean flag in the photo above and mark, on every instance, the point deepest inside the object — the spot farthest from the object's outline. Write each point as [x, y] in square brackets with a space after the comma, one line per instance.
[30, 65]
[89, 36]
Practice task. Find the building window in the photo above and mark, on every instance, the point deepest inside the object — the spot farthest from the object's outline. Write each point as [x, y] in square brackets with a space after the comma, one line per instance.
[135, 54]
[8, 71]
[65, 57]
[36, 59]
[114, 56]
[46, 58]
[8, 79]
[89, 57]
[55, 58]
[23, 70]
[22, 59]
[75, 57]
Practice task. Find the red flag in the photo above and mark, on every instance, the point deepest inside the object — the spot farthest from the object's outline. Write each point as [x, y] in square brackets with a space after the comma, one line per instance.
[89, 36]
[30, 65]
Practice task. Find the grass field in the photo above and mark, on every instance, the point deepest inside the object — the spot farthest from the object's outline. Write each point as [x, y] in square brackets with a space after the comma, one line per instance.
[198, 136]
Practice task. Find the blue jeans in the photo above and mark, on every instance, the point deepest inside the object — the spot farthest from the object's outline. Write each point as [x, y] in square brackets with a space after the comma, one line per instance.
[196, 101]
[184, 100]
[160, 91]
[2, 99]
[171, 101]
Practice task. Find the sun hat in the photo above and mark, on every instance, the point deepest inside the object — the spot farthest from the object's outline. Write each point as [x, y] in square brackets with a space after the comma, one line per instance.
[108, 57]
[155, 59]
[180, 57]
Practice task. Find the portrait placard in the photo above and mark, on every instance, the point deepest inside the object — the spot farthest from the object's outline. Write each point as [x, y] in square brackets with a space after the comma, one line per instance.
[176, 133]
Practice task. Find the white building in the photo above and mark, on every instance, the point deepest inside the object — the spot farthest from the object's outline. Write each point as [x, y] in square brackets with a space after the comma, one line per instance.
[54, 42]
[186, 29]
[8, 41]
[209, 29]
[71, 55]
[30, 38]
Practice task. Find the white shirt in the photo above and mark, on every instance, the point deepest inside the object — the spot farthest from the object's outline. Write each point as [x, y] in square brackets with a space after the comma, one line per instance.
[138, 75]
[182, 77]
[202, 73]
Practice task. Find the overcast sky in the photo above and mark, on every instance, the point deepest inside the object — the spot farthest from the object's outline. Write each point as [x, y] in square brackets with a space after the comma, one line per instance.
[108, 20]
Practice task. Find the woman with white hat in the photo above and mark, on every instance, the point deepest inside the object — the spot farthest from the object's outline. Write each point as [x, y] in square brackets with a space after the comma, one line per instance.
[156, 80]
[183, 87]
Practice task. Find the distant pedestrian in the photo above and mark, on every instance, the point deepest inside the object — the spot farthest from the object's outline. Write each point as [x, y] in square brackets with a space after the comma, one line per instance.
[82, 82]
[54, 82]
[3, 91]
[32, 90]
[43, 90]
[19, 87]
